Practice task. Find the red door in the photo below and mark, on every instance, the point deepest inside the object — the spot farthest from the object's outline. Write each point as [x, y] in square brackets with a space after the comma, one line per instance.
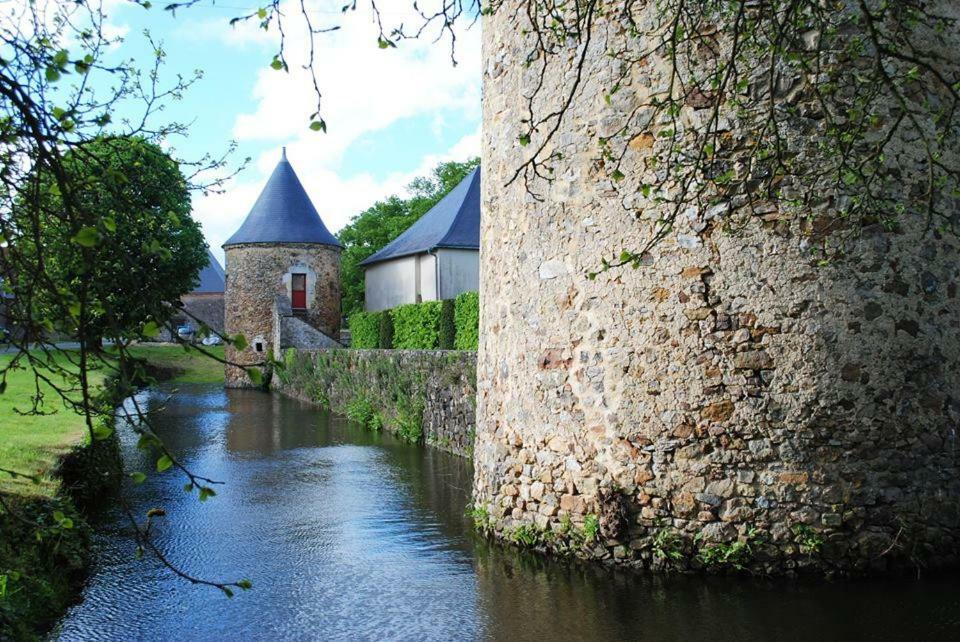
[298, 290]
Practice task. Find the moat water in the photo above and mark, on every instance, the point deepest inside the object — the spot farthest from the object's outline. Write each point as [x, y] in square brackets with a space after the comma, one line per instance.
[350, 535]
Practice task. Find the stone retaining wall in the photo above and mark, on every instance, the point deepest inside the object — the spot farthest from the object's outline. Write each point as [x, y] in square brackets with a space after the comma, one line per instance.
[421, 395]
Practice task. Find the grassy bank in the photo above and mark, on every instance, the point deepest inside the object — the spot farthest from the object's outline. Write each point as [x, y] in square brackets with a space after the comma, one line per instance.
[35, 444]
[183, 366]
[44, 539]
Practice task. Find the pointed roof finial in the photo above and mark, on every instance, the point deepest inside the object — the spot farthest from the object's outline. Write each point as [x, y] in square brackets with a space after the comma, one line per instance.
[283, 154]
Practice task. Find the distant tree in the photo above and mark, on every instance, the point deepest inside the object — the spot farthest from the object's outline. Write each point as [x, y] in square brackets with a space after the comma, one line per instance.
[385, 220]
[132, 250]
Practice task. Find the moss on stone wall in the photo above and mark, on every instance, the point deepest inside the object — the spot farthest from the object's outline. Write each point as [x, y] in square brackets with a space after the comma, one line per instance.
[419, 395]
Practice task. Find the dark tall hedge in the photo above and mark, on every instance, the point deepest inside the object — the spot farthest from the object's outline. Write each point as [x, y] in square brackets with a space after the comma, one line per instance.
[448, 328]
[386, 331]
[467, 320]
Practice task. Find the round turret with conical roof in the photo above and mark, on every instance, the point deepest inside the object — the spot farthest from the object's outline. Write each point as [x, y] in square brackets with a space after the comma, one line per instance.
[282, 262]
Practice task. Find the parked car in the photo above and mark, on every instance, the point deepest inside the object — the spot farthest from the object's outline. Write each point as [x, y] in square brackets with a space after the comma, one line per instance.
[186, 332]
[212, 340]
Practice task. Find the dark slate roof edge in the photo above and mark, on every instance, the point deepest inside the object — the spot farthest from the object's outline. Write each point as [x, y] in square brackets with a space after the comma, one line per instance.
[338, 244]
[386, 253]
[367, 261]
[472, 191]
[212, 278]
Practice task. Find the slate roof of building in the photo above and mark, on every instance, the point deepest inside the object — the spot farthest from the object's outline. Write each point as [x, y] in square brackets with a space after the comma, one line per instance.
[212, 278]
[283, 213]
[454, 222]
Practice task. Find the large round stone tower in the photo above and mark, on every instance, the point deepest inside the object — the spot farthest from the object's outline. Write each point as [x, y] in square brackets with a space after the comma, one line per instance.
[282, 265]
[733, 396]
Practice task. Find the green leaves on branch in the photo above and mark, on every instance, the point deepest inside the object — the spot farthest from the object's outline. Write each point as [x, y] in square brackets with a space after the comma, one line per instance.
[240, 342]
[255, 376]
[87, 237]
[62, 520]
[150, 330]
[102, 431]
[164, 463]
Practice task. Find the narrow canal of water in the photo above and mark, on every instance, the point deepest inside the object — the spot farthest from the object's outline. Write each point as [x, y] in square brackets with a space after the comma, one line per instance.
[352, 535]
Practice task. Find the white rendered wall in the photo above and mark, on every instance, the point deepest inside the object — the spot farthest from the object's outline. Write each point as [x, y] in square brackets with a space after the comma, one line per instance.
[412, 279]
[459, 272]
[390, 284]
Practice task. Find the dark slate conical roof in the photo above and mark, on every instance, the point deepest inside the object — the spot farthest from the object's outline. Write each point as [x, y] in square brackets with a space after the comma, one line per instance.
[283, 213]
[211, 277]
[454, 222]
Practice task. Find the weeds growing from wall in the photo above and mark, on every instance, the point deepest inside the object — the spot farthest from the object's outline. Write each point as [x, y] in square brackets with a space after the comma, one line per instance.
[376, 390]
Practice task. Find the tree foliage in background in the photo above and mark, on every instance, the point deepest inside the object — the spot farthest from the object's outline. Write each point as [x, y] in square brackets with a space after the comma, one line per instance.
[385, 220]
[137, 250]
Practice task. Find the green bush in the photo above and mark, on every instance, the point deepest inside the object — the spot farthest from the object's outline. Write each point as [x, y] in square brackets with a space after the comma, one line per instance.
[386, 331]
[416, 326]
[365, 329]
[467, 321]
[448, 328]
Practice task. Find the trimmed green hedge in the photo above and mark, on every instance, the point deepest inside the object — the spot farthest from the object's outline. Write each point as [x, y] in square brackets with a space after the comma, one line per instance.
[447, 325]
[416, 326]
[467, 320]
[365, 329]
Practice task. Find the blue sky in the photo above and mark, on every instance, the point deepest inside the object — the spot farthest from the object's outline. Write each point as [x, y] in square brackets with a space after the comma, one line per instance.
[392, 114]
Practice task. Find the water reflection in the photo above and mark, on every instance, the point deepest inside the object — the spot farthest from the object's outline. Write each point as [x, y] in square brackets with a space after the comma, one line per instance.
[348, 534]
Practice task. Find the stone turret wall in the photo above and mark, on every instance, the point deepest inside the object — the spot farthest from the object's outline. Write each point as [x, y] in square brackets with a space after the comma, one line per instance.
[255, 278]
[732, 395]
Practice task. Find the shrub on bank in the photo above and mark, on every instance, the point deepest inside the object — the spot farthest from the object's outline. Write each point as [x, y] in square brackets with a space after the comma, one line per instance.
[365, 329]
[417, 326]
[467, 321]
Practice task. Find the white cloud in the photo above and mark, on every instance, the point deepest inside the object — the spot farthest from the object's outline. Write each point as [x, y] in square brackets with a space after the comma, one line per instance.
[366, 89]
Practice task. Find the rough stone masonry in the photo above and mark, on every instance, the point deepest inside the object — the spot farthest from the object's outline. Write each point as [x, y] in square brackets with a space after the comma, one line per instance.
[732, 395]
[255, 283]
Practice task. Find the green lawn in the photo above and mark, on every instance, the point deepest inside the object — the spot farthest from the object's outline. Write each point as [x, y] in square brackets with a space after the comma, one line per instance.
[34, 443]
[190, 367]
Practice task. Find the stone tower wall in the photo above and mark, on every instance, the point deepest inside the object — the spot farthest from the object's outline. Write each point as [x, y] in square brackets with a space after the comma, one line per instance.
[730, 391]
[255, 279]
